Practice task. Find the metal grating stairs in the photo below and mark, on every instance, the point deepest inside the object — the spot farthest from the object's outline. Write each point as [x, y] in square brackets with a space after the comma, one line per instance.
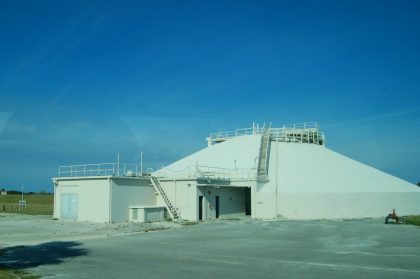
[171, 209]
[264, 153]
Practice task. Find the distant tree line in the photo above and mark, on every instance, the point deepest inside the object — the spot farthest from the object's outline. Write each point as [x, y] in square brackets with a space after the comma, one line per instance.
[13, 192]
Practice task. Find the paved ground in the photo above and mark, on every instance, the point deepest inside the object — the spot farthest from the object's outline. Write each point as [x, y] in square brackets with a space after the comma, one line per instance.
[224, 249]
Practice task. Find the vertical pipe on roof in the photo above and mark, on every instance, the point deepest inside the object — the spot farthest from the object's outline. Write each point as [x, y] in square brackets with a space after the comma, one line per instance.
[118, 164]
[141, 163]
[110, 200]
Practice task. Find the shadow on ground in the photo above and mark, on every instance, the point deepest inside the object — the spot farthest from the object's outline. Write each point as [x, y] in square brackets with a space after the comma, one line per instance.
[42, 254]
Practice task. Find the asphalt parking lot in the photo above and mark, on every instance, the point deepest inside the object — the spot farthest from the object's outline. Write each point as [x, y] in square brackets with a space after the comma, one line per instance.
[222, 249]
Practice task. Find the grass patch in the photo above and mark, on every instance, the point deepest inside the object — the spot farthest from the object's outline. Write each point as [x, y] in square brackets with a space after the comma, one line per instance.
[189, 223]
[35, 204]
[412, 220]
[153, 229]
[10, 273]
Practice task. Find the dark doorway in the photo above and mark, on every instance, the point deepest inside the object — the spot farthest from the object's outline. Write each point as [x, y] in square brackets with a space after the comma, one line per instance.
[247, 201]
[217, 207]
[200, 208]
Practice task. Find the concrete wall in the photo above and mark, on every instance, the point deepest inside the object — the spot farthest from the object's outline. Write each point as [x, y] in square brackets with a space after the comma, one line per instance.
[130, 192]
[312, 182]
[240, 152]
[93, 198]
[231, 201]
[153, 214]
[264, 201]
[183, 195]
[347, 205]
[142, 214]
[312, 168]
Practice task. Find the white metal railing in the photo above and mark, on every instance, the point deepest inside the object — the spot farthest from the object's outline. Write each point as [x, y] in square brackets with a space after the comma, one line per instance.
[199, 171]
[307, 132]
[305, 125]
[102, 169]
[308, 135]
[236, 133]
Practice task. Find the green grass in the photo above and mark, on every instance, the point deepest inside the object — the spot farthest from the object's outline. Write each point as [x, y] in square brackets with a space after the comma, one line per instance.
[35, 204]
[153, 229]
[10, 273]
[188, 223]
[412, 220]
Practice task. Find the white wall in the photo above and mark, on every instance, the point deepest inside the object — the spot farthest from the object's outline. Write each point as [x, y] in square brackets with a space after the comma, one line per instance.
[130, 192]
[183, 195]
[231, 201]
[240, 152]
[312, 182]
[346, 205]
[93, 198]
[313, 168]
[264, 200]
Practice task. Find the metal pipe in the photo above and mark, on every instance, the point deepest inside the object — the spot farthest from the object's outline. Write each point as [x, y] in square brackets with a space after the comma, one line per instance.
[141, 163]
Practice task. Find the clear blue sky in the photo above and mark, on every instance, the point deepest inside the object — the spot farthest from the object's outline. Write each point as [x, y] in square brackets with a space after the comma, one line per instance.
[81, 82]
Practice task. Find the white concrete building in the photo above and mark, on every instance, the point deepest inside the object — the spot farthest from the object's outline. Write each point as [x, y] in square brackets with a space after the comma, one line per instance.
[101, 198]
[267, 173]
[98, 193]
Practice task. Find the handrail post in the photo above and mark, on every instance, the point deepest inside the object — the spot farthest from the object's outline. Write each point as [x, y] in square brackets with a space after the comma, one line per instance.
[118, 164]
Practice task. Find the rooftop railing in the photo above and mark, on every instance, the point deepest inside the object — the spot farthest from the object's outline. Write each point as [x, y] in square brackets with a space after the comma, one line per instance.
[259, 130]
[307, 132]
[236, 133]
[199, 171]
[305, 125]
[102, 169]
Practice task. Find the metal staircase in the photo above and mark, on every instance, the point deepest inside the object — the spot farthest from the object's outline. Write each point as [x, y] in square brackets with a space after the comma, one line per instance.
[171, 209]
[264, 153]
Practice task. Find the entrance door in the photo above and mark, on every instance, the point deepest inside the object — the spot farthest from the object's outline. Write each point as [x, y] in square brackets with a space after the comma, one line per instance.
[247, 201]
[200, 208]
[69, 206]
[217, 207]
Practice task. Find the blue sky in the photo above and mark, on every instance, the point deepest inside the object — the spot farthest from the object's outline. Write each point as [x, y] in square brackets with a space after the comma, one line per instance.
[82, 82]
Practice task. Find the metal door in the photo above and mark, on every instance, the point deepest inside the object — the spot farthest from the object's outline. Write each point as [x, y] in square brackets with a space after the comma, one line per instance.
[69, 206]
[200, 208]
[217, 207]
